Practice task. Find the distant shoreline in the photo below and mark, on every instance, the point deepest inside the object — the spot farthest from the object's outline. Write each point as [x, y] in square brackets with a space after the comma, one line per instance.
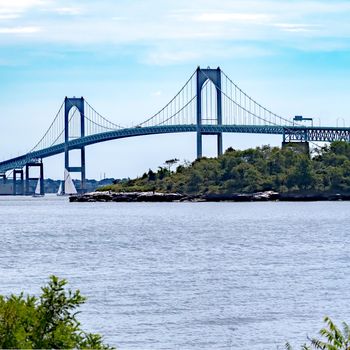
[267, 196]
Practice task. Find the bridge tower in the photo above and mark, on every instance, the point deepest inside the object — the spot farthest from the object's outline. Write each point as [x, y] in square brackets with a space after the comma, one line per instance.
[37, 164]
[214, 75]
[18, 183]
[69, 103]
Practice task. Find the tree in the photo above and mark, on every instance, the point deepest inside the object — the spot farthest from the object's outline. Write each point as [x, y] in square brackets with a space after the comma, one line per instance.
[151, 175]
[45, 322]
[340, 148]
[171, 162]
[333, 338]
[229, 150]
[245, 171]
[162, 173]
[194, 182]
[302, 175]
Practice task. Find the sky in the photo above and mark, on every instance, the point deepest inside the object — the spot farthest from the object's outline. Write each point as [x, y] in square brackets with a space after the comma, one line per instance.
[128, 58]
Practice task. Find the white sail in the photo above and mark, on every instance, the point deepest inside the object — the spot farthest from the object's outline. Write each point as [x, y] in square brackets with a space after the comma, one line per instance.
[69, 187]
[60, 190]
[37, 188]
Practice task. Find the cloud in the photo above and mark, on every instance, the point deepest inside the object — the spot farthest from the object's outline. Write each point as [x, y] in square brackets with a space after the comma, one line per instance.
[231, 17]
[16, 7]
[164, 57]
[119, 18]
[71, 11]
[7, 16]
[164, 54]
[19, 30]
[180, 31]
[297, 28]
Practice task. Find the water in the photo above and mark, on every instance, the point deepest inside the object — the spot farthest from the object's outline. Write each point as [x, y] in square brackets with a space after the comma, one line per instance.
[185, 275]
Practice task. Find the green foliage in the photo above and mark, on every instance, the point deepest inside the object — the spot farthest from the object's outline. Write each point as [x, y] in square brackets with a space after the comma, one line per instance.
[45, 322]
[332, 338]
[251, 170]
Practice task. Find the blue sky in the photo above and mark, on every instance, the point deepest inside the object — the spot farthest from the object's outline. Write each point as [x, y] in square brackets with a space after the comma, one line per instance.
[128, 58]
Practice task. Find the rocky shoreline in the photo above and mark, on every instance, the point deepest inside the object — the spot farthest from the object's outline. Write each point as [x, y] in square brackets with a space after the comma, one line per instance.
[177, 197]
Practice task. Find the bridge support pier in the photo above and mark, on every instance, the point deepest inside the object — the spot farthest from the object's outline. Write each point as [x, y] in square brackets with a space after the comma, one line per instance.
[3, 177]
[18, 183]
[214, 75]
[302, 147]
[28, 178]
[79, 104]
[219, 145]
[200, 143]
[298, 140]
[77, 169]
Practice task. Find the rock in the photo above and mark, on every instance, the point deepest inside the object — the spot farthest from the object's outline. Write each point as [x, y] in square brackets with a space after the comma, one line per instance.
[266, 196]
[127, 197]
[177, 197]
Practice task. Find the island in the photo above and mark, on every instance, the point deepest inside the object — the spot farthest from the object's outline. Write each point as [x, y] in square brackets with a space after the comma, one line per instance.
[256, 174]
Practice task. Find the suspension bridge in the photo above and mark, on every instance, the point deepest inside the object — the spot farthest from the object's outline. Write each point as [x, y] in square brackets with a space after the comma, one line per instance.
[209, 103]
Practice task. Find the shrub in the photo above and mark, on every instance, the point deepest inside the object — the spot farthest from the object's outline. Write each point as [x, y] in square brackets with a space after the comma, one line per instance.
[48, 321]
[332, 338]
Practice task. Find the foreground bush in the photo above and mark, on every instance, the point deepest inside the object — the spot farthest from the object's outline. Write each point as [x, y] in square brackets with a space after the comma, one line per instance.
[45, 322]
[332, 338]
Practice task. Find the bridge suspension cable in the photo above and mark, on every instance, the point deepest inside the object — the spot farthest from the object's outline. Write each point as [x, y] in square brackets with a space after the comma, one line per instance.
[97, 121]
[240, 108]
[94, 123]
[50, 136]
[179, 110]
[268, 116]
[242, 111]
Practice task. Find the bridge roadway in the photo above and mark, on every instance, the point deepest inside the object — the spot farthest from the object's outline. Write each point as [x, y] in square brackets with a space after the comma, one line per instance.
[290, 133]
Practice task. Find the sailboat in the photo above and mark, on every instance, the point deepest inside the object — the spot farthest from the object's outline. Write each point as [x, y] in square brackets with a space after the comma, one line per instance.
[69, 187]
[37, 192]
[60, 190]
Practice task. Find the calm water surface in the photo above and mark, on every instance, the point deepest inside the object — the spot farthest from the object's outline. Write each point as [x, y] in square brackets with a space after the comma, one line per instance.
[185, 275]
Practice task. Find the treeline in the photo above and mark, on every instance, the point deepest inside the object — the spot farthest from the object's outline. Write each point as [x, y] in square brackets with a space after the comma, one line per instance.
[264, 168]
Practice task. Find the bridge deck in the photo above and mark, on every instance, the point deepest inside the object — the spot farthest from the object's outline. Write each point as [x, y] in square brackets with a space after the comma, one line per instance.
[300, 133]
